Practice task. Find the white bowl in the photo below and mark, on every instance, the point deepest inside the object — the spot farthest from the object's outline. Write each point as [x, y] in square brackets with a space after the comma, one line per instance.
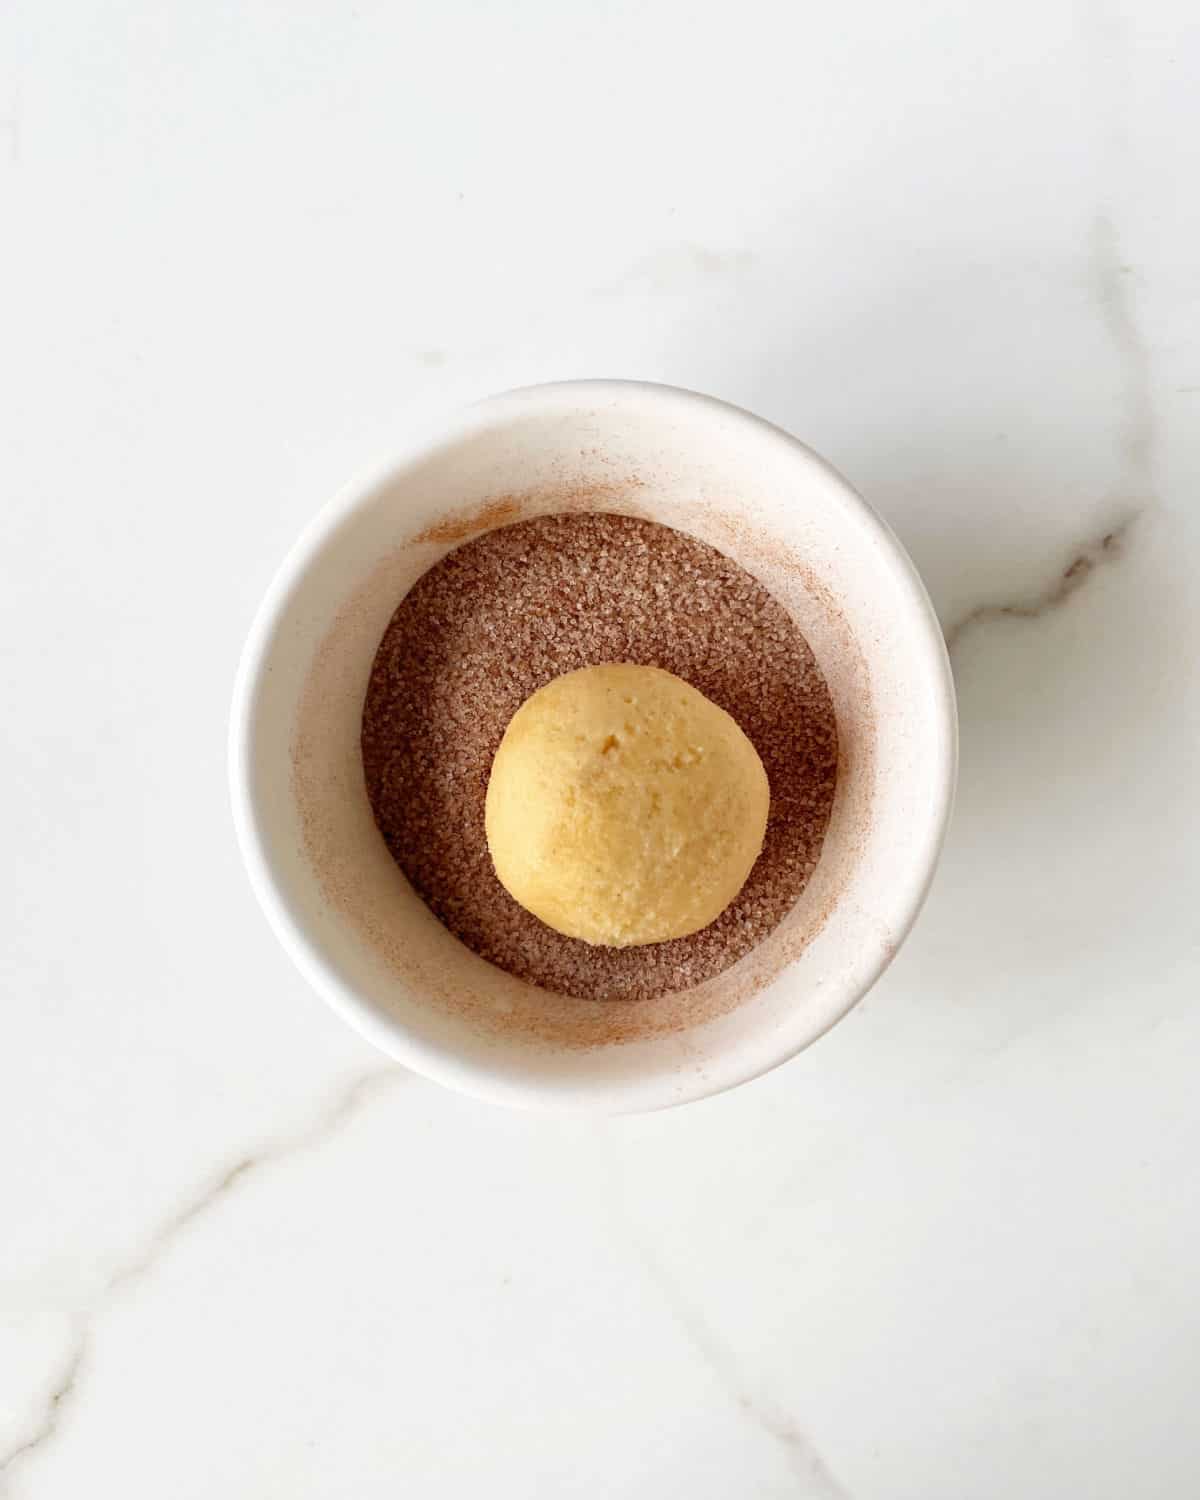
[341, 906]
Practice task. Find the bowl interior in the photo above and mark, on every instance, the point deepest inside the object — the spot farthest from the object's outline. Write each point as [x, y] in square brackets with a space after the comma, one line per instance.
[345, 910]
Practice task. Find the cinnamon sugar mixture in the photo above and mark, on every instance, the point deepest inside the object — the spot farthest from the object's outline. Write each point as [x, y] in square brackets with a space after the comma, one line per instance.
[502, 615]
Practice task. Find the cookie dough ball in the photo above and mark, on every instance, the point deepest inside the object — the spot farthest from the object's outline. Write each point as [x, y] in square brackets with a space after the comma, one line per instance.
[624, 807]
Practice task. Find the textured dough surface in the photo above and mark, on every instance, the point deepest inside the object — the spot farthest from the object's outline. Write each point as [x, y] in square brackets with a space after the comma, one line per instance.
[624, 807]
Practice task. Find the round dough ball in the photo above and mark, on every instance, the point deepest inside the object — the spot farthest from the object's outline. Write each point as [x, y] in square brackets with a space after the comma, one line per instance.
[624, 807]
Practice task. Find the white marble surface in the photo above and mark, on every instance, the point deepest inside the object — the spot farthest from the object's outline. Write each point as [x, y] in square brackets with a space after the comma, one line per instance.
[949, 1253]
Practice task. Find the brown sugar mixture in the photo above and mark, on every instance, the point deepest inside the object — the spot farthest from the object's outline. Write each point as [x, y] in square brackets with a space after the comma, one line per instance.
[504, 614]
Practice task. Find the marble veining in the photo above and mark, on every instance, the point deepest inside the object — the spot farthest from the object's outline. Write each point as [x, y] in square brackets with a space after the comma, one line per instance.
[343, 1107]
[1133, 489]
[1103, 551]
[1111, 280]
[811, 1472]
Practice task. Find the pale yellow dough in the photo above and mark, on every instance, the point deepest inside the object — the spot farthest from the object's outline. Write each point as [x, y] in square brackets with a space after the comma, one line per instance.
[624, 807]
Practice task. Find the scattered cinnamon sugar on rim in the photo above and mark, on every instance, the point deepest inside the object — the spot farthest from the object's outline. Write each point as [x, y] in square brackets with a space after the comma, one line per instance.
[457, 528]
[508, 611]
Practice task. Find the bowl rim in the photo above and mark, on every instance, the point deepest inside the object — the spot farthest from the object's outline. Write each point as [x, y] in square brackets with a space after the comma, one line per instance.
[254, 662]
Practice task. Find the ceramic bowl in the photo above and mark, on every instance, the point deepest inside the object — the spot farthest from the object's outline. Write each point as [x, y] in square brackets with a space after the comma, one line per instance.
[341, 906]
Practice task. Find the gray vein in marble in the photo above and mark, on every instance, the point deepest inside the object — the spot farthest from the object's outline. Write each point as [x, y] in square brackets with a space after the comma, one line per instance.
[345, 1105]
[1110, 278]
[1104, 550]
[64, 1388]
[812, 1475]
[1110, 41]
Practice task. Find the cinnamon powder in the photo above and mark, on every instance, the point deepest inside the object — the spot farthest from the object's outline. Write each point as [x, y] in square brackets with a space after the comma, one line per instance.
[512, 609]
